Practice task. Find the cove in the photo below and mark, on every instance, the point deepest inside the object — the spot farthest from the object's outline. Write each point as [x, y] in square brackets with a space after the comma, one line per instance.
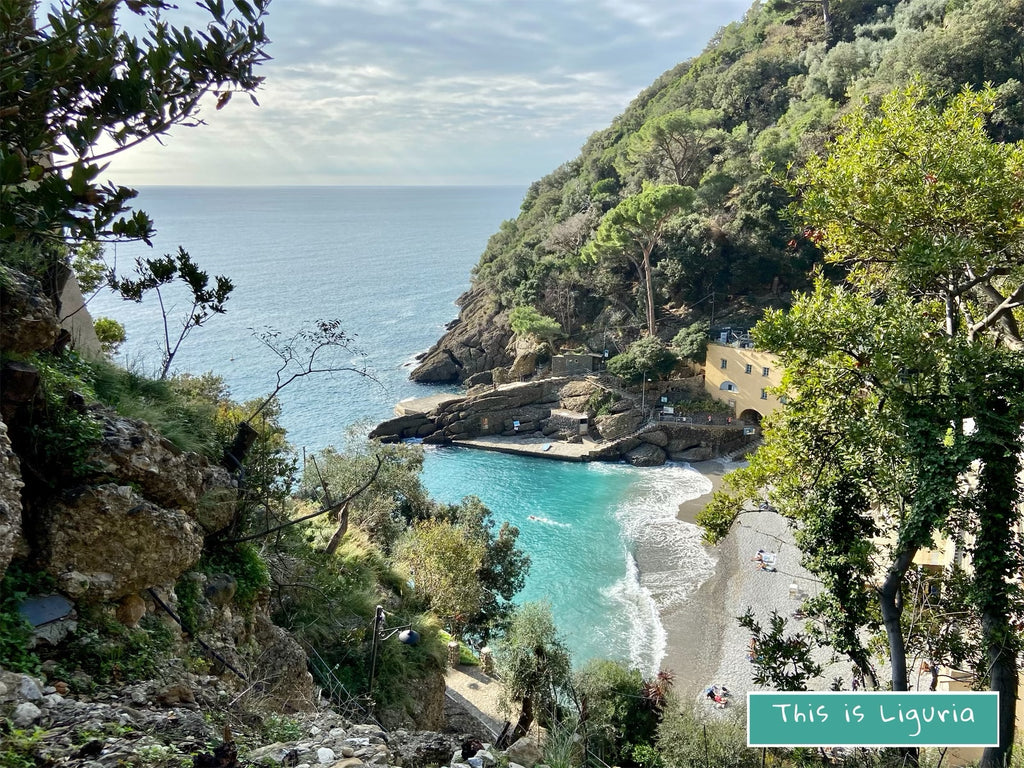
[582, 525]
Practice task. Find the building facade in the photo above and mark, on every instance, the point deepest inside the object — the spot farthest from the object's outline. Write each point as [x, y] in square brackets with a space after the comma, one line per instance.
[744, 377]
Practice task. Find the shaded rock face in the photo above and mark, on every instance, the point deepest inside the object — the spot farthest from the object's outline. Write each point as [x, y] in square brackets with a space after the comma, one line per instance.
[28, 320]
[655, 437]
[107, 542]
[476, 342]
[425, 709]
[10, 499]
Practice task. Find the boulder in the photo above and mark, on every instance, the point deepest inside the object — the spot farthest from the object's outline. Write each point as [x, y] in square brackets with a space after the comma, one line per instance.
[401, 427]
[218, 499]
[484, 378]
[576, 395]
[131, 451]
[617, 425]
[10, 499]
[525, 751]
[655, 437]
[107, 542]
[282, 668]
[646, 455]
[524, 365]
[28, 319]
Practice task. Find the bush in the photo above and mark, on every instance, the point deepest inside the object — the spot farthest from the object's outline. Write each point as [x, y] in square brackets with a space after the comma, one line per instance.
[619, 715]
[683, 740]
[111, 334]
[692, 342]
[110, 652]
[15, 632]
[647, 356]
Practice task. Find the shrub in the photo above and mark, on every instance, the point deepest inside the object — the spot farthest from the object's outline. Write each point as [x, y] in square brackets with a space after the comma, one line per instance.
[646, 356]
[15, 632]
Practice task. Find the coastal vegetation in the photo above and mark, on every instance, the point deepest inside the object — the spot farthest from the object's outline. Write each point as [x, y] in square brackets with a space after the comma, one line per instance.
[849, 149]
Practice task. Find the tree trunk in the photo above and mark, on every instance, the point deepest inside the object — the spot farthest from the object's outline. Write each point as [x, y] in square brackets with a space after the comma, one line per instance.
[891, 604]
[525, 719]
[995, 562]
[649, 285]
[339, 534]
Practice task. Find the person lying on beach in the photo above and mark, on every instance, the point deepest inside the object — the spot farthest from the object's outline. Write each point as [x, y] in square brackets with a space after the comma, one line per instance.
[752, 649]
[765, 560]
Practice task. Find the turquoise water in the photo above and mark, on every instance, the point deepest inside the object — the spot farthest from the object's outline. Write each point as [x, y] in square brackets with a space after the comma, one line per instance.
[389, 263]
[583, 525]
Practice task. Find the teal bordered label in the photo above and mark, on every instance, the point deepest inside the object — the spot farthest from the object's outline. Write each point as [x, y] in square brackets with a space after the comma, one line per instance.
[863, 719]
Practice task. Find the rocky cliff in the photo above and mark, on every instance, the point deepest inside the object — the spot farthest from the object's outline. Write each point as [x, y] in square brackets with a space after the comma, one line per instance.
[105, 516]
[477, 341]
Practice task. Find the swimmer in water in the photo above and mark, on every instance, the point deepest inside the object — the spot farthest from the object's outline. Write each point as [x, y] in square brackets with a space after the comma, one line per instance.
[533, 517]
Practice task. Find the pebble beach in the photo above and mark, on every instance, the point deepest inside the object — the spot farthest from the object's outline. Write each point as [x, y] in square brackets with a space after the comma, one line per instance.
[706, 646]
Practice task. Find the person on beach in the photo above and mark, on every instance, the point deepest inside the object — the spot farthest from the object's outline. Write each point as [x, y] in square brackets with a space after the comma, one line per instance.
[752, 649]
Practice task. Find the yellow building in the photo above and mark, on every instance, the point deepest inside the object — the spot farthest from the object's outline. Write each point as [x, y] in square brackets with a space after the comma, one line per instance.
[742, 376]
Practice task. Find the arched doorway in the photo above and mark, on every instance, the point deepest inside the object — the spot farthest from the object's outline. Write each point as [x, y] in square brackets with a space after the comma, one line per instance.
[751, 416]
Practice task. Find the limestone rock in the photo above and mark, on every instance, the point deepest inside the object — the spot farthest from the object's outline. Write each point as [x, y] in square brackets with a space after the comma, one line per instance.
[108, 542]
[218, 499]
[26, 715]
[525, 752]
[646, 455]
[131, 610]
[418, 749]
[617, 425]
[28, 320]
[220, 589]
[132, 451]
[10, 499]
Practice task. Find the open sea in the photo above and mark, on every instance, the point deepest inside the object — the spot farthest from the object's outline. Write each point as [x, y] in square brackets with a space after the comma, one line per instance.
[389, 262]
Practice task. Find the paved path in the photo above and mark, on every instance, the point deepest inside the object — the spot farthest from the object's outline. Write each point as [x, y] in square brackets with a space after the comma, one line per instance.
[479, 694]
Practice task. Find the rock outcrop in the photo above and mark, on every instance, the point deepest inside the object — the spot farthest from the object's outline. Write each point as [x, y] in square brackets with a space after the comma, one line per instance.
[106, 541]
[477, 341]
[553, 408]
[131, 451]
[10, 499]
[28, 320]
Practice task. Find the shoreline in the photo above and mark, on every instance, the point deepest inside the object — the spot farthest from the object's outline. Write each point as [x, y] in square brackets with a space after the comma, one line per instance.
[695, 629]
[705, 645]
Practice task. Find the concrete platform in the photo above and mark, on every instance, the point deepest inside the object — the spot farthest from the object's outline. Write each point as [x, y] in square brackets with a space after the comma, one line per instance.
[424, 405]
[541, 447]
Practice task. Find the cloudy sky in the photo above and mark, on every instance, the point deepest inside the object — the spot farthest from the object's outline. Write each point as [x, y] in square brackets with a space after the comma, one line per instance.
[432, 91]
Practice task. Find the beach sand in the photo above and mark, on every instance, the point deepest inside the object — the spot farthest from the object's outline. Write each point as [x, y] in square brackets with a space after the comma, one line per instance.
[705, 644]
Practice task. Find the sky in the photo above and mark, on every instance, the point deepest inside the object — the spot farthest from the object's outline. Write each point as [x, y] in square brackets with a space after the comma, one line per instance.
[430, 92]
